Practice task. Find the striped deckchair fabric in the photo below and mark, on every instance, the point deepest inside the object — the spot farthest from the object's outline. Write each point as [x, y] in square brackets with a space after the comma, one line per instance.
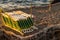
[17, 19]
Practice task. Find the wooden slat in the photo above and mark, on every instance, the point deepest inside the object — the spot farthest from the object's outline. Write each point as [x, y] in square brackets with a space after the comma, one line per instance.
[15, 29]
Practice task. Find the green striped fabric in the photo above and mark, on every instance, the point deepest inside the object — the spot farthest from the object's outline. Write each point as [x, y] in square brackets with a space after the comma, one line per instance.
[26, 23]
[20, 24]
